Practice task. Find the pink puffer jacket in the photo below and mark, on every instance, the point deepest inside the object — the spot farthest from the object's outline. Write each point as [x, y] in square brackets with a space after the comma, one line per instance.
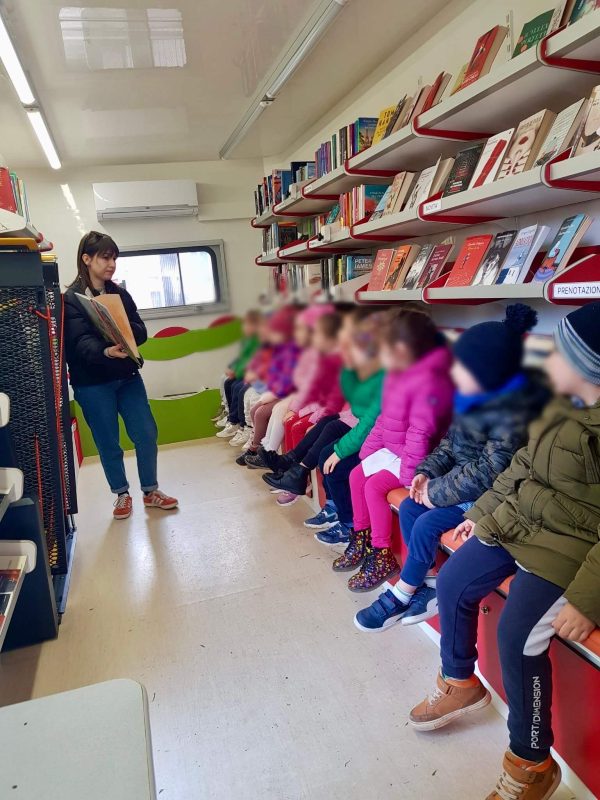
[416, 411]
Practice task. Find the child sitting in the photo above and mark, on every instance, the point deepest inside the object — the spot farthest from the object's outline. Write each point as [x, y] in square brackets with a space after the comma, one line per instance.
[235, 372]
[325, 400]
[305, 375]
[415, 412]
[541, 523]
[279, 378]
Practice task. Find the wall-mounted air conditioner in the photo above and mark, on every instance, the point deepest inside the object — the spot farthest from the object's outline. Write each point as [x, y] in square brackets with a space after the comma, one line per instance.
[145, 199]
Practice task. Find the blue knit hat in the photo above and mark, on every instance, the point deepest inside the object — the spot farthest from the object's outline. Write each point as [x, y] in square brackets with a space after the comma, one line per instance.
[493, 351]
[578, 339]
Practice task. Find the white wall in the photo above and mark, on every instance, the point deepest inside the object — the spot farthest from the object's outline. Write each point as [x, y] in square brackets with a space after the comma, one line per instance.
[225, 191]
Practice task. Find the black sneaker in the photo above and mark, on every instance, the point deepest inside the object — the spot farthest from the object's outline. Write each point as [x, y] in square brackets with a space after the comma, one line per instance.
[276, 463]
[256, 460]
[241, 460]
[295, 480]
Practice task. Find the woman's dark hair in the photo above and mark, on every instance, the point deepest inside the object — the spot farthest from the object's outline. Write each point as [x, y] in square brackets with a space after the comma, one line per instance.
[330, 324]
[92, 244]
[413, 327]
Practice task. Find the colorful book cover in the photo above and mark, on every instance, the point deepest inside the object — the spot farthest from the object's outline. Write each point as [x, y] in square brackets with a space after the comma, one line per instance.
[588, 140]
[371, 196]
[561, 134]
[381, 265]
[437, 261]
[418, 265]
[581, 8]
[526, 143]
[491, 157]
[533, 31]
[358, 265]
[485, 52]
[518, 254]
[459, 79]
[363, 133]
[468, 260]
[568, 237]
[422, 187]
[492, 263]
[378, 212]
[463, 169]
[385, 115]
[403, 258]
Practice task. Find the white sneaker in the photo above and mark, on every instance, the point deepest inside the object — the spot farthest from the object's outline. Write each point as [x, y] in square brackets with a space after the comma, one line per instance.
[228, 431]
[218, 416]
[248, 442]
[238, 439]
[222, 421]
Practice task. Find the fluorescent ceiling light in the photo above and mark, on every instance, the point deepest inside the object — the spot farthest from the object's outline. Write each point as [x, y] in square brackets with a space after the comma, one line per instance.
[296, 54]
[43, 134]
[13, 67]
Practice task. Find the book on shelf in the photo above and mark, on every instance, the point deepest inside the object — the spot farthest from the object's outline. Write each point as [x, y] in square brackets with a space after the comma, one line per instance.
[381, 205]
[526, 143]
[437, 90]
[422, 187]
[13, 195]
[524, 249]
[457, 85]
[357, 265]
[381, 265]
[569, 235]
[533, 32]
[581, 8]
[463, 170]
[491, 158]
[385, 115]
[418, 265]
[364, 130]
[12, 573]
[486, 50]
[400, 264]
[419, 104]
[468, 260]
[495, 257]
[442, 173]
[588, 137]
[109, 317]
[400, 192]
[436, 262]
[562, 133]
[395, 116]
[561, 15]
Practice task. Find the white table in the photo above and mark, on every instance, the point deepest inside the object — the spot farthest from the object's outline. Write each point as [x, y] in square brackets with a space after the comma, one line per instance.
[89, 744]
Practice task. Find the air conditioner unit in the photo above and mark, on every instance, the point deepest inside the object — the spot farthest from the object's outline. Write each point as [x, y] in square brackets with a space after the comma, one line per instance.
[145, 199]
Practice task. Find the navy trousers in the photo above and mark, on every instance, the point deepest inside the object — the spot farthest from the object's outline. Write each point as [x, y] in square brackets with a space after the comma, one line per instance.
[237, 388]
[337, 483]
[326, 431]
[524, 635]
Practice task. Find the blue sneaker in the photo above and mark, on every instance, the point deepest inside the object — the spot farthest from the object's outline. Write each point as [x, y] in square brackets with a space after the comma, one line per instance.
[337, 534]
[326, 517]
[424, 605]
[386, 611]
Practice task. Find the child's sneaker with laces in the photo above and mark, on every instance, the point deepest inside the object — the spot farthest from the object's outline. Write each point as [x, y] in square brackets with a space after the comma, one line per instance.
[526, 780]
[449, 701]
[222, 421]
[123, 506]
[424, 605]
[228, 431]
[158, 499]
[326, 518]
[238, 439]
[386, 611]
[379, 565]
[286, 498]
[337, 534]
[355, 553]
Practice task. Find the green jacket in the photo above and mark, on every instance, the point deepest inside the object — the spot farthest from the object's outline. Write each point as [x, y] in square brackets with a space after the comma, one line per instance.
[545, 508]
[365, 403]
[248, 346]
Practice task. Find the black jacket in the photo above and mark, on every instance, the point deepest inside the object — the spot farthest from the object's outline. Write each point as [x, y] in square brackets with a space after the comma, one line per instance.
[481, 443]
[84, 346]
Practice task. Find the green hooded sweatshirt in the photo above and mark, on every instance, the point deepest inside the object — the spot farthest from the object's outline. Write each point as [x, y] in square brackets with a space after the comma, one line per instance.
[248, 346]
[365, 403]
[545, 508]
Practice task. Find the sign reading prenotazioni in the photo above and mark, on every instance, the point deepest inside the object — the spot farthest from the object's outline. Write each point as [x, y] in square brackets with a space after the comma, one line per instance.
[575, 290]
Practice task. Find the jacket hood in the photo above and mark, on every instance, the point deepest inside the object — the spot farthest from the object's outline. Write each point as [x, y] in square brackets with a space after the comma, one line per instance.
[437, 360]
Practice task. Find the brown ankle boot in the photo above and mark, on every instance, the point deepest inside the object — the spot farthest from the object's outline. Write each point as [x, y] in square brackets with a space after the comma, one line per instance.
[526, 779]
[449, 701]
[354, 553]
[379, 565]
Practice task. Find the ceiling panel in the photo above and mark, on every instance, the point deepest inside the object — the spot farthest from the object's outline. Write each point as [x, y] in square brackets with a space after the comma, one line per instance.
[143, 114]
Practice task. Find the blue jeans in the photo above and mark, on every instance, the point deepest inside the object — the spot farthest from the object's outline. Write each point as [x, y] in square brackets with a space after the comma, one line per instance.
[101, 405]
[238, 389]
[421, 529]
[337, 485]
[524, 635]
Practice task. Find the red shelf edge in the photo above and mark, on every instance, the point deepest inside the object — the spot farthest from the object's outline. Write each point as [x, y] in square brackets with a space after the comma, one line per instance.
[572, 184]
[332, 197]
[367, 173]
[564, 62]
[454, 136]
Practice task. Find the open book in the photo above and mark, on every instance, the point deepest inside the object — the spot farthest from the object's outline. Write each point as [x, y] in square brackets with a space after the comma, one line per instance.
[108, 314]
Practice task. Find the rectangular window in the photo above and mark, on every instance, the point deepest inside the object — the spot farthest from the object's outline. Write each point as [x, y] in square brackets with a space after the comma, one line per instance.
[175, 280]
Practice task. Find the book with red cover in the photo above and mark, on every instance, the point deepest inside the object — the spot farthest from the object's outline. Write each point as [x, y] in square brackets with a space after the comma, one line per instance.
[381, 266]
[435, 263]
[484, 54]
[468, 260]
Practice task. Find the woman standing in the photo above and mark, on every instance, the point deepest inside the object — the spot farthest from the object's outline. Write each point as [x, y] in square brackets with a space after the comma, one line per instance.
[106, 382]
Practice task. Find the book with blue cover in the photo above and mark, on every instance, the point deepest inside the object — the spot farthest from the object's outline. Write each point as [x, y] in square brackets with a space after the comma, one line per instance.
[566, 240]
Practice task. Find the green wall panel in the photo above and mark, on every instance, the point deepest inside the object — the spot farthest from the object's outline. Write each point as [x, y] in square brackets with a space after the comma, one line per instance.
[197, 341]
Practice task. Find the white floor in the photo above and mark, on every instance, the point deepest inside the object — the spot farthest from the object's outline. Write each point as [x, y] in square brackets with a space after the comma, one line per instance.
[260, 685]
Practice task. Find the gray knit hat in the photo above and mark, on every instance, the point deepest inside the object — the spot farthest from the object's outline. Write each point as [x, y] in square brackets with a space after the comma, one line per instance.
[578, 340]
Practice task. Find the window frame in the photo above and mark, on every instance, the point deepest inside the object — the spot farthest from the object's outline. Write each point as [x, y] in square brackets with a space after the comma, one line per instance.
[222, 304]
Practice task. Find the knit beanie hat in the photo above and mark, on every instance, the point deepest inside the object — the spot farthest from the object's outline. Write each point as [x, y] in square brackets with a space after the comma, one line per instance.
[311, 314]
[578, 340]
[282, 321]
[493, 351]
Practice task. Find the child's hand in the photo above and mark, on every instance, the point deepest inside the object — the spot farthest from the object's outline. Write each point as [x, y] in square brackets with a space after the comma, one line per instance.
[416, 487]
[572, 624]
[229, 373]
[425, 501]
[331, 463]
[464, 531]
[250, 376]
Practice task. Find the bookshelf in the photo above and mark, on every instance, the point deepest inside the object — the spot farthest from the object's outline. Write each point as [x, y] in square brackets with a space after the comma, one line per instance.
[15, 226]
[270, 259]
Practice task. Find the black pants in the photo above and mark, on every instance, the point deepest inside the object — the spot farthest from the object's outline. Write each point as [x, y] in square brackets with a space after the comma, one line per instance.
[238, 388]
[227, 388]
[337, 483]
[326, 431]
